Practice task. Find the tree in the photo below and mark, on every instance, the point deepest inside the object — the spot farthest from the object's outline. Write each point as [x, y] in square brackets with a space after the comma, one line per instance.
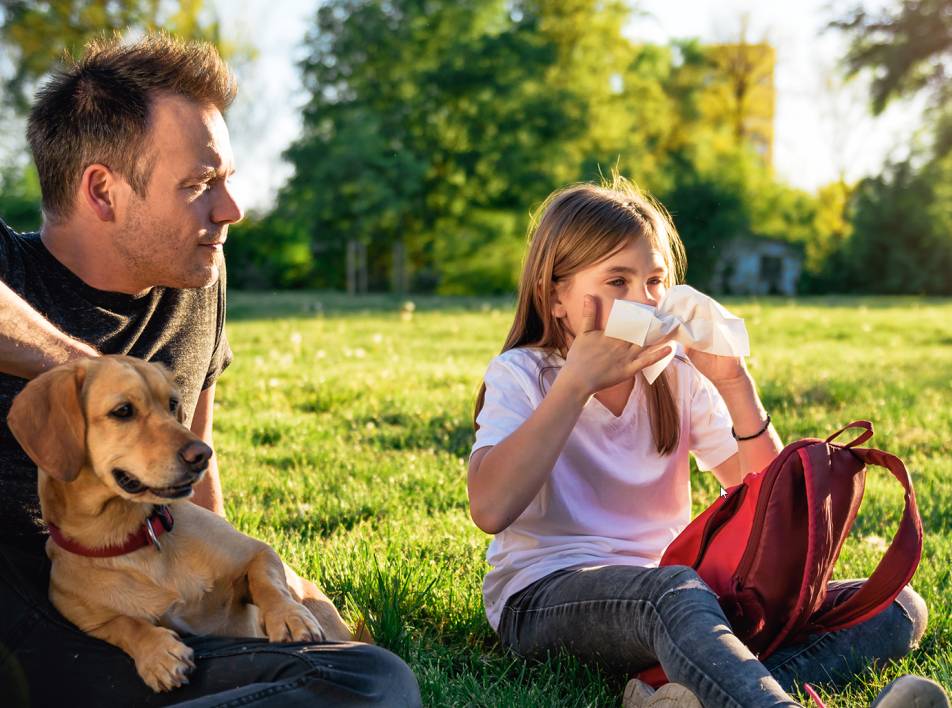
[741, 93]
[422, 118]
[901, 239]
[826, 263]
[902, 223]
[908, 48]
[708, 213]
[34, 36]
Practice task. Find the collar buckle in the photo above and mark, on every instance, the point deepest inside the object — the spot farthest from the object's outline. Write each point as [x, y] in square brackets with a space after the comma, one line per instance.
[153, 539]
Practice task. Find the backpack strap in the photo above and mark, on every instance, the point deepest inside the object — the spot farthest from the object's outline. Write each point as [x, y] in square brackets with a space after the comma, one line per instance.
[897, 565]
[863, 437]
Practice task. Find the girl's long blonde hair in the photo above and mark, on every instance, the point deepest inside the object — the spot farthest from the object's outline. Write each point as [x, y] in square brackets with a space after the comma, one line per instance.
[575, 228]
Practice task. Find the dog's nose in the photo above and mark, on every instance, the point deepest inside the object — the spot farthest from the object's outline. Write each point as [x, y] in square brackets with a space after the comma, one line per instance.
[195, 455]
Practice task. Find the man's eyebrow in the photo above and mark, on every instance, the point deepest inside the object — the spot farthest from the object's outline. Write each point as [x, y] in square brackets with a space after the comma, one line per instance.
[208, 172]
[201, 173]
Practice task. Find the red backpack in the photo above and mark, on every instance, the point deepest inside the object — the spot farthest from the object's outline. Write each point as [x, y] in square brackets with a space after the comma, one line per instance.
[767, 547]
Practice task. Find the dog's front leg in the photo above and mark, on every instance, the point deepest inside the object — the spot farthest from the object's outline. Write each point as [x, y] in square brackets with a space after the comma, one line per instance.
[285, 619]
[162, 660]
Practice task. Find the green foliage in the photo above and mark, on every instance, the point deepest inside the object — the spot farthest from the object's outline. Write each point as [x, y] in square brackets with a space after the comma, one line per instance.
[36, 35]
[832, 226]
[907, 47]
[902, 231]
[445, 131]
[414, 136]
[708, 213]
[268, 252]
[434, 129]
[484, 256]
[899, 235]
[20, 199]
[733, 193]
[343, 430]
[906, 44]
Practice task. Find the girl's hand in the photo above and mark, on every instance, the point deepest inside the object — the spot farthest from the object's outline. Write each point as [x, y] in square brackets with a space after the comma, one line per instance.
[595, 362]
[718, 369]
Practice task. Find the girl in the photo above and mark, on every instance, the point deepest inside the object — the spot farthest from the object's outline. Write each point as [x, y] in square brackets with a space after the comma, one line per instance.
[581, 470]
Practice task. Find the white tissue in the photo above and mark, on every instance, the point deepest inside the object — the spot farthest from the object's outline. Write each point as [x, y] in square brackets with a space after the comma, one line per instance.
[696, 321]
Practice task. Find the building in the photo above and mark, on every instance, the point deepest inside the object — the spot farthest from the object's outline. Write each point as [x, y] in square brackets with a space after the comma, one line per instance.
[758, 266]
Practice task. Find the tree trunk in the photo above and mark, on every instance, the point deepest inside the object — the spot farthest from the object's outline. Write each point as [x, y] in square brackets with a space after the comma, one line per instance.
[351, 267]
[361, 267]
[398, 269]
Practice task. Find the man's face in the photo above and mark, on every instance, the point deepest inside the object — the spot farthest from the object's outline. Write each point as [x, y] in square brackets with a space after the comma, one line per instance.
[173, 236]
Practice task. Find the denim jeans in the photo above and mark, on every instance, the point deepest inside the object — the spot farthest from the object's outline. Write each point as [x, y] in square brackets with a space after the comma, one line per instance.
[46, 661]
[627, 618]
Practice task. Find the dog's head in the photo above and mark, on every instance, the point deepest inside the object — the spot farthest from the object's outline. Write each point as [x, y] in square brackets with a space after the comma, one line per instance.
[117, 416]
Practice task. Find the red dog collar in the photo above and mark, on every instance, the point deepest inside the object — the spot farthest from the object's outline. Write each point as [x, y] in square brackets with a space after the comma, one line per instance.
[159, 521]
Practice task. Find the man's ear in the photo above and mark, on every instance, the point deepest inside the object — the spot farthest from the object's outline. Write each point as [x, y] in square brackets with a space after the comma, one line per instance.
[47, 420]
[98, 189]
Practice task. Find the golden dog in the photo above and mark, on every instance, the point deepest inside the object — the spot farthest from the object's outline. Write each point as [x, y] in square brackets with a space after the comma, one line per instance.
[108, 439]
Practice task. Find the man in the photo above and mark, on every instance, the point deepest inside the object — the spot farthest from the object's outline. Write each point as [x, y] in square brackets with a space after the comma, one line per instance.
[134, 159]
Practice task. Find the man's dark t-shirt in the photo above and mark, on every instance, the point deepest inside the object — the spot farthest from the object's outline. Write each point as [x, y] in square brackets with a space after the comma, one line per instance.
[183, 329]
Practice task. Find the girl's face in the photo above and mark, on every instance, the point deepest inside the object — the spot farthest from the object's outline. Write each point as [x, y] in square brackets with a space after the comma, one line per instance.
[636, 271]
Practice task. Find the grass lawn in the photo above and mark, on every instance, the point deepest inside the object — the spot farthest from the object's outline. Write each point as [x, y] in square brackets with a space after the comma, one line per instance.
[343, 429]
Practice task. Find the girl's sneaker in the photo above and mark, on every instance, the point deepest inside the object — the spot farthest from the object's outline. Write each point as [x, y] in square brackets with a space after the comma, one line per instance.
[912, 691]
[909, 691]
[672, 695]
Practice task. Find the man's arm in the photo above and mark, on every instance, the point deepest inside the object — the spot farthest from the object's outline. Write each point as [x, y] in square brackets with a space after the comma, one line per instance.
[207, 492]
[29, 343]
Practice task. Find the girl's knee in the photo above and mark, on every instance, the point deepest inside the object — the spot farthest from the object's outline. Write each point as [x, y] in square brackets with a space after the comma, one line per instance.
[682, 577]
[899, 628]
[914, 606]
[679, 578]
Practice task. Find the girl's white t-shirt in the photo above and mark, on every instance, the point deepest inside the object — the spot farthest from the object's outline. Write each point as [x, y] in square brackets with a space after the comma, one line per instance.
[611, 498]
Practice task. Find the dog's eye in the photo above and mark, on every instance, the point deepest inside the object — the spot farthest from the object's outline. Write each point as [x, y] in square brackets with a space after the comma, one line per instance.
[173, 404]
[124, 411]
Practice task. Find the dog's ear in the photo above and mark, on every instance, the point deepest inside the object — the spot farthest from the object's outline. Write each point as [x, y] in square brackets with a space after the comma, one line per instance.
[47, 420]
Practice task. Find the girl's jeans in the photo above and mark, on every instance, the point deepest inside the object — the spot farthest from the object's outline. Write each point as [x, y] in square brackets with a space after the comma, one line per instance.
[627, 618]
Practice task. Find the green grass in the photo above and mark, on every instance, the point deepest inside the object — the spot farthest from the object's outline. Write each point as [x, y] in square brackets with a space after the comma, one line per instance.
[343, 429]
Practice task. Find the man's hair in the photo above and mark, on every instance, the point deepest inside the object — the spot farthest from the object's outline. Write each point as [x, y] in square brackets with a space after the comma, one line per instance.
[97, 109]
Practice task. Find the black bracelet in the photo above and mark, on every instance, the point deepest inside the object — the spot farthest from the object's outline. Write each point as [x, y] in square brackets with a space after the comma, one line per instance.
[755, 435]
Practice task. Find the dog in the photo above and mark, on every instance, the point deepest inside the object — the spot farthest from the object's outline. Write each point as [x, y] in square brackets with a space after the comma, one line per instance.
[131, 563]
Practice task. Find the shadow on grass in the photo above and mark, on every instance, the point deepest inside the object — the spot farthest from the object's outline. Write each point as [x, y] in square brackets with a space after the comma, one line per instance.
[322, 526]
[402, 431]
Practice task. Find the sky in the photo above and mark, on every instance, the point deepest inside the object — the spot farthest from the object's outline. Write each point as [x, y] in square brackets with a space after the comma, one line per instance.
[823, 128]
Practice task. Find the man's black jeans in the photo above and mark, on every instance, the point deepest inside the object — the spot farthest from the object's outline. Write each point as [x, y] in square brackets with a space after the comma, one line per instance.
[46, 661]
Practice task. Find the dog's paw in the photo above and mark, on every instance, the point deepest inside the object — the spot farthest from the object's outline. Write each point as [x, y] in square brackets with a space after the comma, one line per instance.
[292, 623]
[166, 663]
